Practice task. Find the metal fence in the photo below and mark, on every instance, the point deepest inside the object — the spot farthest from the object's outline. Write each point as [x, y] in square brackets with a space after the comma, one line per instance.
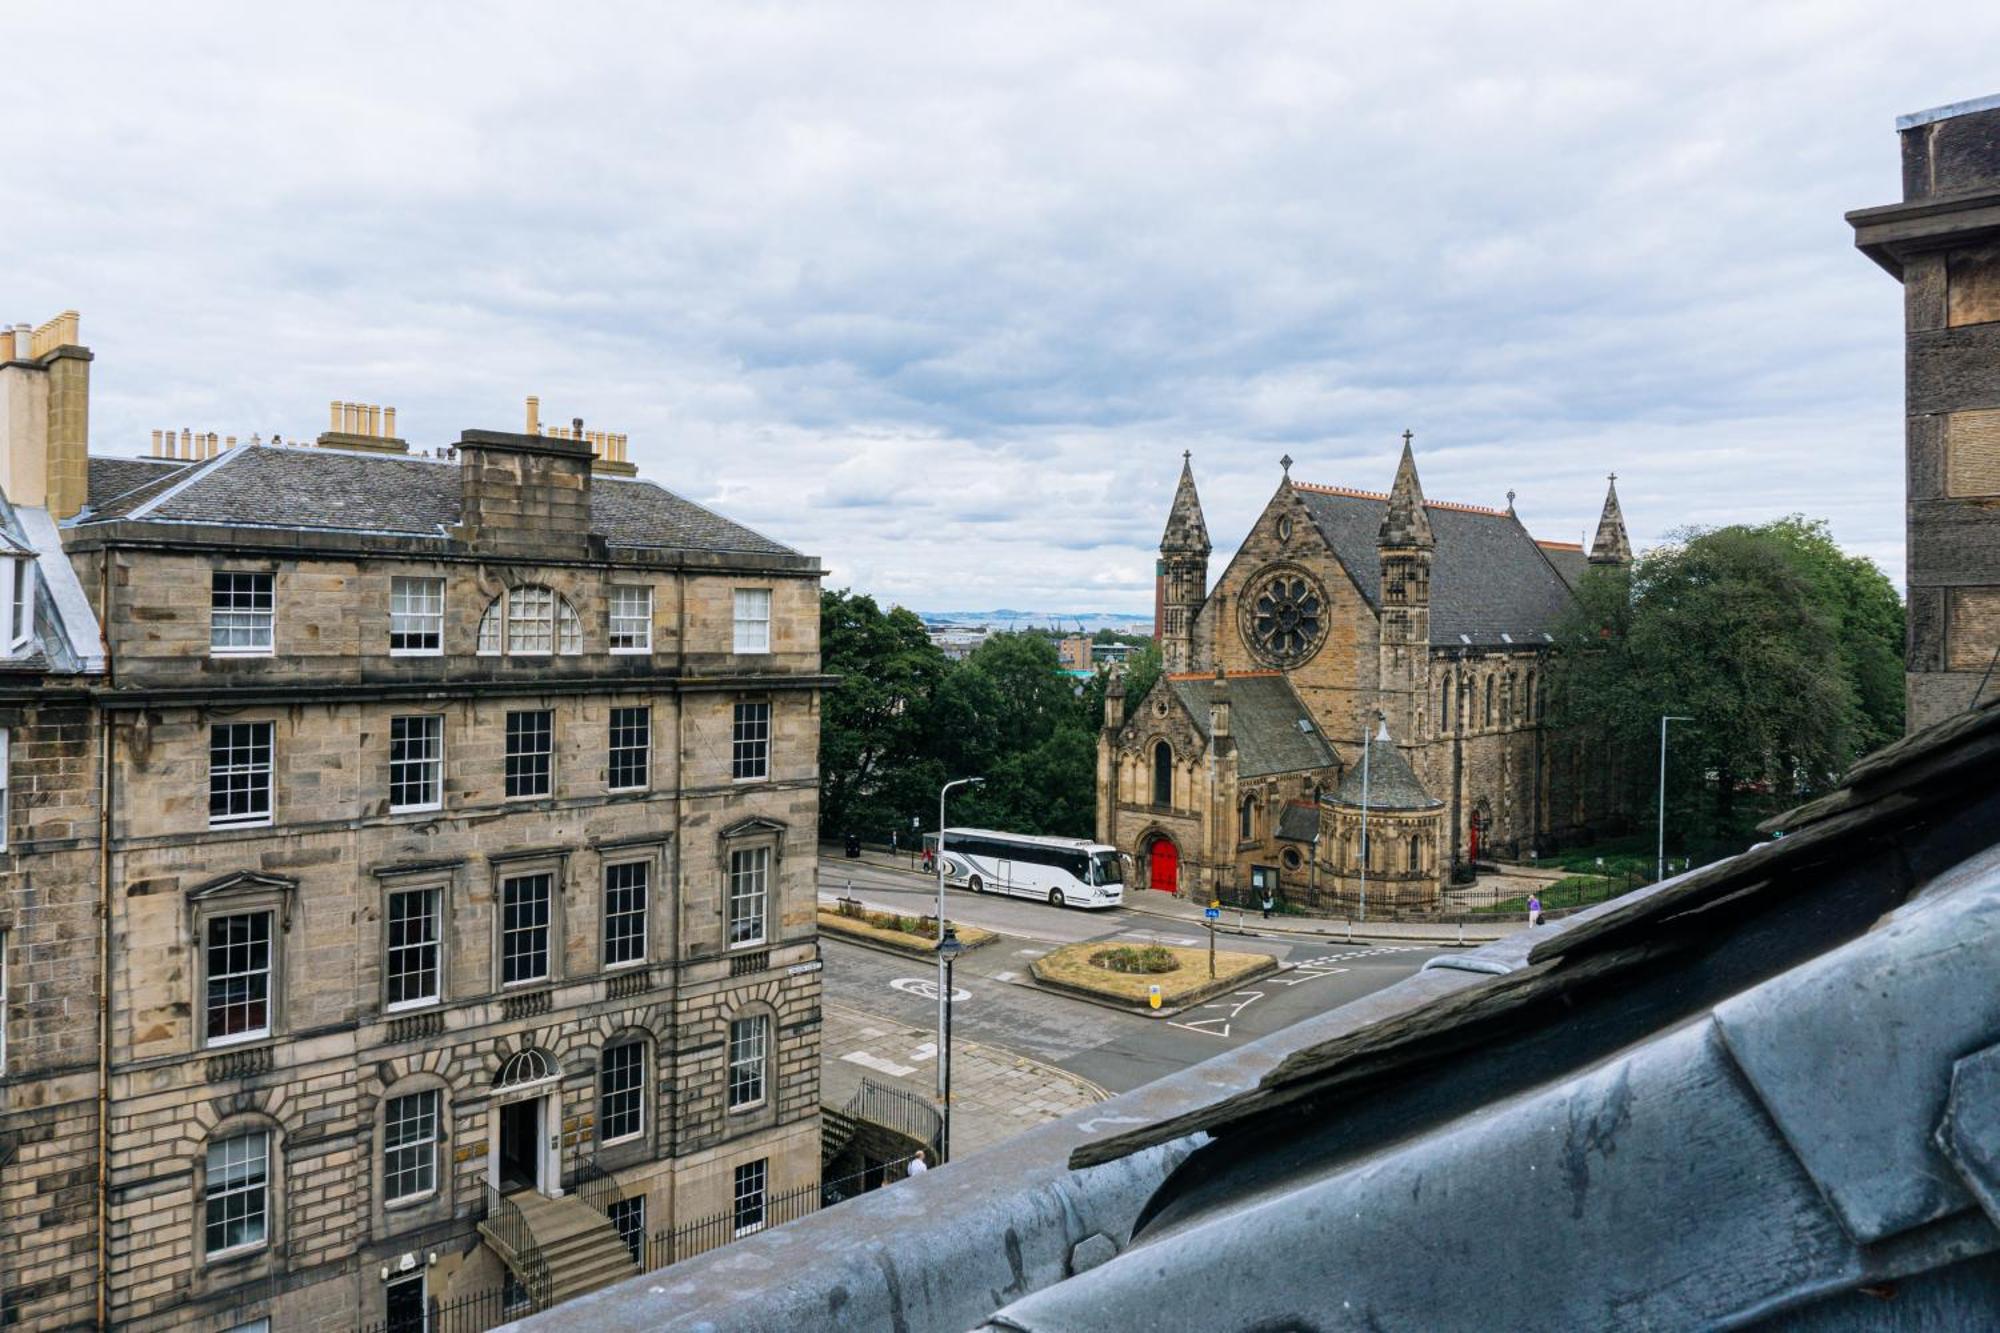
[1483, 897]
[468, 1314]
[670, 1246]
[901, 1112]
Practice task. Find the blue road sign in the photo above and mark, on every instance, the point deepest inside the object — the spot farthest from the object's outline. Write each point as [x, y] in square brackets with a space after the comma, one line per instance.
[1211, 912]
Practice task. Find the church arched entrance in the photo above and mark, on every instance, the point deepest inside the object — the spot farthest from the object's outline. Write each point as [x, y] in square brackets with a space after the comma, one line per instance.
[1163, 865]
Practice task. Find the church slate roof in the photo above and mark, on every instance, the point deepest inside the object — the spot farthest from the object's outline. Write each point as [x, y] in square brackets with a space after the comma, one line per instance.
[1569, 561]
[1298, 823]
[1264, 718]
[1488, 579]
[340, 490]
[1392, 785]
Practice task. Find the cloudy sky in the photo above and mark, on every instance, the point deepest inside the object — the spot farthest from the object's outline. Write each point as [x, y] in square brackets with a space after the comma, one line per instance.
[940, 293]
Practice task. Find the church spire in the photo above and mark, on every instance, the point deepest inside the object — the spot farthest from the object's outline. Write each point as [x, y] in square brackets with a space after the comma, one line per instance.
[1405, 523]
[1612, 547]
[1187, 533]
[1180, 584]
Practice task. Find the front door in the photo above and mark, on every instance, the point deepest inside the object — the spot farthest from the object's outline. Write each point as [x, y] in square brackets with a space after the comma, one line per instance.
[521, 1145]
[1166, 868]
[1004, 872]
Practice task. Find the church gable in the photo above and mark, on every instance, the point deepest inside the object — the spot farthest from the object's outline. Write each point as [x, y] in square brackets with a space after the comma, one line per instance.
[1287, 603]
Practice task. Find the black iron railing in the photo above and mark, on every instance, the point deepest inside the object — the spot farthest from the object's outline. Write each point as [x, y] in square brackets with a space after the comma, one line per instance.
[508, 1227]
[591, 1184]
[901, 1112]
[467, 1314]
[670, 1246]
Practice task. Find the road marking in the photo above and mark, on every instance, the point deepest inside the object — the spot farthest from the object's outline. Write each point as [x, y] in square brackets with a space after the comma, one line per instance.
[1300, 975]
[1006, 976]
[878, 1064]
[1205, 1026]
[925, 988]
[1031, 953]
[927, 1051]
[1154, 937]
[1330, 959]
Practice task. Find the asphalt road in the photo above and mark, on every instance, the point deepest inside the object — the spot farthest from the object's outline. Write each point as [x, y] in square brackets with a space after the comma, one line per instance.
[1001, 1007]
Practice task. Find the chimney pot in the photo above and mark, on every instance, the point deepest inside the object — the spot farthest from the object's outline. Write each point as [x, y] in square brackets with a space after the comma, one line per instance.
[389, 422]
[156, 434]
[374, 420]
[534, 426]
[333, 419]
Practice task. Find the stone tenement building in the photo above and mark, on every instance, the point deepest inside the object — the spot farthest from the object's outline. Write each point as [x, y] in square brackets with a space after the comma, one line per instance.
[461, 810]
[1421, 625]
[1943, 244]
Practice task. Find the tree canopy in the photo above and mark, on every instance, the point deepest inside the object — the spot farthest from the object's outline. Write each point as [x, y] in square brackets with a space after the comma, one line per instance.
[905, 719]
[1785, 652]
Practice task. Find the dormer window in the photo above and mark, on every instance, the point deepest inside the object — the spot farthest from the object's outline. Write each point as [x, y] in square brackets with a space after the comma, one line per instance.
[530, 621]
[21, 602]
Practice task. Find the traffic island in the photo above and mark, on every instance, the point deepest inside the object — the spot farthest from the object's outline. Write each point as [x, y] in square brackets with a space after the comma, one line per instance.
[890, 930]
[1125, 975]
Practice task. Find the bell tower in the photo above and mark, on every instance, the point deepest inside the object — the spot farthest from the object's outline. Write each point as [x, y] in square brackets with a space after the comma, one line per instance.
[1181, 578]
[1405, 546]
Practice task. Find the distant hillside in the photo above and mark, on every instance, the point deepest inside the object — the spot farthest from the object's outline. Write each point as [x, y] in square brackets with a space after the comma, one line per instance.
[1008, 619]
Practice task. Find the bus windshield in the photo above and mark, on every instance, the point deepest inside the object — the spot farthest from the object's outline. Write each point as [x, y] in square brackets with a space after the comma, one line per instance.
[1104, 869]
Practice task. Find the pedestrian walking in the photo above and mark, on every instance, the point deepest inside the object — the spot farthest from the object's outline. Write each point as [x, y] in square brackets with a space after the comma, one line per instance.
[1534, 909]
[917, 1167]
[1269, 903]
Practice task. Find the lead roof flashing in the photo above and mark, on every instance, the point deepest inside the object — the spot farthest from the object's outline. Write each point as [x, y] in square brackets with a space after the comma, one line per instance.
[1949, 111]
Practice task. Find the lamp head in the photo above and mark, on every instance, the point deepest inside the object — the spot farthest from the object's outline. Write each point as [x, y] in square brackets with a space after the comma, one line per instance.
[949, 948]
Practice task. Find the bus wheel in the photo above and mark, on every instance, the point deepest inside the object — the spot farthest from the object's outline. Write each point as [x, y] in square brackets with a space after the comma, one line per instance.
[1056, 898]
[976, 884]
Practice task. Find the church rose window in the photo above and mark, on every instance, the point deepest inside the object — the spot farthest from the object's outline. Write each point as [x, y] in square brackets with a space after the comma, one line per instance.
[1285, 617]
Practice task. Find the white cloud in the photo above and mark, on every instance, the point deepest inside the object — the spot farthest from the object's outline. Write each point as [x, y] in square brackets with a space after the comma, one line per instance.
[940, 294]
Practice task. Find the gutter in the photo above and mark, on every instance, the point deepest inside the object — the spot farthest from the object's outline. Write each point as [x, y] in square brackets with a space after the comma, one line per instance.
[104, 742]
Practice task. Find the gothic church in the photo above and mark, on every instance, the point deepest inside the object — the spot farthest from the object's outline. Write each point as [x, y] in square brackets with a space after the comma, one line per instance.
[1360, 648]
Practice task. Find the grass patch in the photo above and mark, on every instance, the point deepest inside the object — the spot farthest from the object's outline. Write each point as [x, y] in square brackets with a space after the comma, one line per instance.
[1570, 891]
[1074, 966]
[911, 934]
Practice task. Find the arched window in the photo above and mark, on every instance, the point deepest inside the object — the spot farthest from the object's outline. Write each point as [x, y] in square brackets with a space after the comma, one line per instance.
[1163, 774]
[1247, 820]
[1444, 704]
[1489, 701]
[1531, 702]
[1416, 854]
[529, 1066]
[1507, 701]
[530, 621]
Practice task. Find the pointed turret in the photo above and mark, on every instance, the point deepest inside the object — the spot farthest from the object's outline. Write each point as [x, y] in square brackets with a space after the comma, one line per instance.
[1187, 532]
[1406, 547]
[1612, 547]
[1181, 583]
[1405, 523]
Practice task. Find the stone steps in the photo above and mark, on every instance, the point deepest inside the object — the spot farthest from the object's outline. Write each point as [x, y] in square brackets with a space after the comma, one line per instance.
[580, 1246]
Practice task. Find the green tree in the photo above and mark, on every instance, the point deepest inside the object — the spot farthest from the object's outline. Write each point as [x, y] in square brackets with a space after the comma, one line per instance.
[873, 759]
[1775, 642]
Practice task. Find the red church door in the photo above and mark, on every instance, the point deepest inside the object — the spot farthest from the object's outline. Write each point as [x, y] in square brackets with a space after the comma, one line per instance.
[1166, 867]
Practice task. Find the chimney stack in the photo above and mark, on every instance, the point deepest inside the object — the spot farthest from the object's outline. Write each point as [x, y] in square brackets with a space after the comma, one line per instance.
[45, 414]
[366, 426]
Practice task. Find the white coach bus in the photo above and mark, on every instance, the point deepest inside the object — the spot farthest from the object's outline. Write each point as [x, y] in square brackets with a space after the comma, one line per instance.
[1066, 872]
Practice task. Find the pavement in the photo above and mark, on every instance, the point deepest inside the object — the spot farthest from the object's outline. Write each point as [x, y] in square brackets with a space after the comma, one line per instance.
[995, 1094]
[1143, 902]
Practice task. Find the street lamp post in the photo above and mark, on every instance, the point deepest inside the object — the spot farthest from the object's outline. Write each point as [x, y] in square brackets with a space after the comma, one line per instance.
[1660, 850]
[1383, 723]
[948, 950]
[944, 991]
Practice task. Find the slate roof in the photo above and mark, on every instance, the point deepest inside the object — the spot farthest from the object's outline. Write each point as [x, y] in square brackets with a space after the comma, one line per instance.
[1487, 576]
[1392, 785]
[341, 490]
[109, 478]
[1264, 717]
[1298, 823]
[1569, 561]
